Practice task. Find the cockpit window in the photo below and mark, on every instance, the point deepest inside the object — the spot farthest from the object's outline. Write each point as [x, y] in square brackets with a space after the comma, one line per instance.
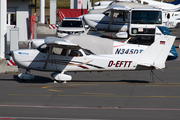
[59, 51]
[87, 52]
[107, 13]
[75, 53]
[43, 48]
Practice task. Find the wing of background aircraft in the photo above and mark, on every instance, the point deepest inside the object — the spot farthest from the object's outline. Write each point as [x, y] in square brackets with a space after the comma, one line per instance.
[160, 4]
[175, 2]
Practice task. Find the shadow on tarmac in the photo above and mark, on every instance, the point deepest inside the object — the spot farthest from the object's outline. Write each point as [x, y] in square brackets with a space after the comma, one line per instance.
[37, 79]
[44, 80]
[111, 81]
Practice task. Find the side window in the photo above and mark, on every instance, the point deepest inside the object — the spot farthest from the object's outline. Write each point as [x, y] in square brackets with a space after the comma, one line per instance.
[43, 48]
[107, 13]
[121, 15]
[59, 51]
[87, 52]
[168, 16]
[75, 53]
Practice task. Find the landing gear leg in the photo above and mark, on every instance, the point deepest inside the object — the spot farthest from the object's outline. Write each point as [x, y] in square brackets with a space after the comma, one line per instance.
[61, 77]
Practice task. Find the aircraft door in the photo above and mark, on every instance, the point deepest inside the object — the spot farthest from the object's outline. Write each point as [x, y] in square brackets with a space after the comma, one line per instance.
[58, 59]
[119, 20]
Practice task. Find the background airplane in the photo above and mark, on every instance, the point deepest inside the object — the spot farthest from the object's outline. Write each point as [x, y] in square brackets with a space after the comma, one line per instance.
[132, 19]
[163, 5]
[167, 6]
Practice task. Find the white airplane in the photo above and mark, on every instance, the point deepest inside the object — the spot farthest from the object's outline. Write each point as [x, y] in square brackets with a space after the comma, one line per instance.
[60, 56]
[132, 19]
[163, 5]
[105, 4]
[102, 4]
[167, 6]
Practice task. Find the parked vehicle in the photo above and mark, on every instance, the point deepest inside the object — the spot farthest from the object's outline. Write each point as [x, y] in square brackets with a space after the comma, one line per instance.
[70, 26]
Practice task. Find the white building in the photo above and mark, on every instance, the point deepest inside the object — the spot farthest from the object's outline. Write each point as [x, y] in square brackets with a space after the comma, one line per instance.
[18, 15]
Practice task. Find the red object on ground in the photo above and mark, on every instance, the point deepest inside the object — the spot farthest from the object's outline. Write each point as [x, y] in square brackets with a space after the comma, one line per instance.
[71, 13]
[32, 19]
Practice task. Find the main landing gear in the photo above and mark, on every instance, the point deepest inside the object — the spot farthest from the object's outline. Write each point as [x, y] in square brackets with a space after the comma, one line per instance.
[61, 77]
[58, 77]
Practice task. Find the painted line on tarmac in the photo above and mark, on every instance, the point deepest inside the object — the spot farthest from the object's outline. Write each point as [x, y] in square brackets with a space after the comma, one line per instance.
[165, 85]
[173, 67]
[101, 107]
[28, 95]
[96, 95]
[120, 96]
[54, 90]
[43, 118]
[83, 85]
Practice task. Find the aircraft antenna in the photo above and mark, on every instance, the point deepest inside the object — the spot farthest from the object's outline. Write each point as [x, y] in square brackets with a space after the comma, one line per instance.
[153, 74]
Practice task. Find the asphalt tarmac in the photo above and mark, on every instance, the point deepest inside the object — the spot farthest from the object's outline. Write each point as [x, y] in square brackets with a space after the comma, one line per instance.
[114, 95]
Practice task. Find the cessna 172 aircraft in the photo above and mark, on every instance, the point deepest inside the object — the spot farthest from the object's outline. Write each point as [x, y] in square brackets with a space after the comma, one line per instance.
[167, 6]
[60, 56]
[131, 19]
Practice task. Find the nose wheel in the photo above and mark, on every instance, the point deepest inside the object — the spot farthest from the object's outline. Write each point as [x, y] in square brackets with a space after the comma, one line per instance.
[26, 75]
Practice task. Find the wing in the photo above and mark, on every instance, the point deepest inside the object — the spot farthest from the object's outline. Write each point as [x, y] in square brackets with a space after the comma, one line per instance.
[119, 7]
[59, 42]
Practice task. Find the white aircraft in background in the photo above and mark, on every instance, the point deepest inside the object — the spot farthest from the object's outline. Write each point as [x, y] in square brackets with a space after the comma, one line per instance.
[105, 4]
[132, 19]
[163, 5]
[167, 6]
[102, 4]
[60, 56]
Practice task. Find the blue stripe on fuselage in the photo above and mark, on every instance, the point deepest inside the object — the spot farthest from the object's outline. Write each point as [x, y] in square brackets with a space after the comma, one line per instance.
[111, 23]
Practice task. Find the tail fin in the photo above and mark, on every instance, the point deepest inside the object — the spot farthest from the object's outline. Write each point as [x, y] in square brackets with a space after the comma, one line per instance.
[175, 2]
[157, 53]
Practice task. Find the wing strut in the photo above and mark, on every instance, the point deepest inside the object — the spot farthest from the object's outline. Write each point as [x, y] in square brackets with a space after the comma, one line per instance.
[111, 17]
[50, 52]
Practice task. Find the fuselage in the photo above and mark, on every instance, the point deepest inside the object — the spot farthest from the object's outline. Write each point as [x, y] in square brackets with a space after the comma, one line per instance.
[34, 59]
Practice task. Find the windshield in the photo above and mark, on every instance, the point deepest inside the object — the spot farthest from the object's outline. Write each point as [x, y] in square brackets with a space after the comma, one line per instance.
[87, 52]
[146, 17]
[71, 24]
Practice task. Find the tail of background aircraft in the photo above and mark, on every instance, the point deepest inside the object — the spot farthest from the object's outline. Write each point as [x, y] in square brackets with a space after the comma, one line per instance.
[175, 2]
[173, 54]
[157, 53]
